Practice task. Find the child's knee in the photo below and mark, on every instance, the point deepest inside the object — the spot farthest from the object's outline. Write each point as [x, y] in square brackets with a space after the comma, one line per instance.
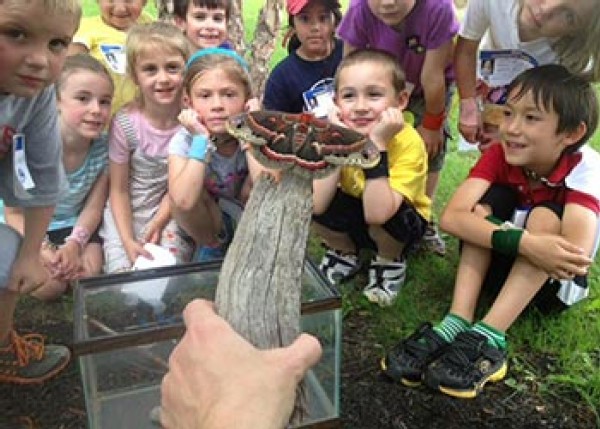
[543, 219]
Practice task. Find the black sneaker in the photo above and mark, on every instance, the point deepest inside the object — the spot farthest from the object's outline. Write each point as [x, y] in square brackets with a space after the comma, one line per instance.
[338, 268]
[466, 365]
[407, 361]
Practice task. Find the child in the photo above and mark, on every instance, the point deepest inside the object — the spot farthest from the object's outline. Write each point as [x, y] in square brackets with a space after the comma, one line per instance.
[542, 176]
[314, 55]
[216, 86]
[34, 36]
[204, 22]
[73, 248]
[383, 208]
[139, 208]
[419, 33]
[562, 32]
[103, 37]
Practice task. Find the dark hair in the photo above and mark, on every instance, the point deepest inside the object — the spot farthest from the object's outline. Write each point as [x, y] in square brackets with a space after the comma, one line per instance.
[180, 7]
[556, 89]
[334, 6]
[374, 56]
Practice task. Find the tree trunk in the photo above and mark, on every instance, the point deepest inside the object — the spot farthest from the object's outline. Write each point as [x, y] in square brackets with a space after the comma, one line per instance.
[236, 26]
[263, 43]
[165, 10]
[259, 285]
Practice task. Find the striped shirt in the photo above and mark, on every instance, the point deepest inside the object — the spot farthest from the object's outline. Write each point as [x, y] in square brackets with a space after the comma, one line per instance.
[73, 199]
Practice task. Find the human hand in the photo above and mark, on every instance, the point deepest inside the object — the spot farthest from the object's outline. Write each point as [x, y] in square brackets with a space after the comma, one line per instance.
[252, 105]
[27, 273]
[216, 379]
[433, 140]
[134, 249]
[335, 117]
[555, 255]
[67, 261]
[390, 123]
[153, 231]
[469, 121]
[189, 119]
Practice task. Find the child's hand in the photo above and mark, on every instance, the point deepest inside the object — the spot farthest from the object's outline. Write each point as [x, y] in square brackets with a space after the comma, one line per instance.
[335, 117]
[555, 255]
[189, 119]
[27, 274]
[133, 249]
[390, 123]
[433, 140]
[252, 105]
[469, 119]
[67, 261]
[153, 232]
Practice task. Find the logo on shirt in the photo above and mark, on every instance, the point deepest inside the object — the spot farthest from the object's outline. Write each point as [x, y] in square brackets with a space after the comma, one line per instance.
[414, 44]
[6, 139]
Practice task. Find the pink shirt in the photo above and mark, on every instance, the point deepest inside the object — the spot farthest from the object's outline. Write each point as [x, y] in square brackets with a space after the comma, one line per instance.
[152, 142]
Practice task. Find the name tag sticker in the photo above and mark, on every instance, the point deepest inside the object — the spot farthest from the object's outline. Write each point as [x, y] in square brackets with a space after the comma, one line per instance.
[23, 181]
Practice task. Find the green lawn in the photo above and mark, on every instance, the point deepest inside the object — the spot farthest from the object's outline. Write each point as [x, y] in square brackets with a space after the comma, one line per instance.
[570, 341]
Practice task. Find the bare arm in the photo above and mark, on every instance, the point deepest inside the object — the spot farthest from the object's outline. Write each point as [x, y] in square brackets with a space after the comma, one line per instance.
[465, 67]
[324, 190]
[434, 90]
[186, 181]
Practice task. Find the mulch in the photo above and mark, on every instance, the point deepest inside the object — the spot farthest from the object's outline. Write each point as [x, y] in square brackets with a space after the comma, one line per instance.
[368, 400]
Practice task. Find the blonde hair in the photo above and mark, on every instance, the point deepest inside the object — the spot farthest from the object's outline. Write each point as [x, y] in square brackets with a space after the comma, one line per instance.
[63, 7]
[230, 66]
[81, 62]
[144, 37]
[580, 52]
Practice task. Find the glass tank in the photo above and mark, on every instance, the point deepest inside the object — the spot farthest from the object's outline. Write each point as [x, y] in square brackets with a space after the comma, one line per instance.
[127, 324]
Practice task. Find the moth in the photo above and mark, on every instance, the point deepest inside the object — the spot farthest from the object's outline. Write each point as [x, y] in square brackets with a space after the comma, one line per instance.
[302, 142]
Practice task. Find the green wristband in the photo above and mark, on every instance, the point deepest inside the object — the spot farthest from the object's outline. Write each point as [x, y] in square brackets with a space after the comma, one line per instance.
[506, 241]
[494, 219]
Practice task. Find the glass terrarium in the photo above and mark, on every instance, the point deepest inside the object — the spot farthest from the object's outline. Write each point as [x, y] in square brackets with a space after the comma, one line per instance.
[127, 324]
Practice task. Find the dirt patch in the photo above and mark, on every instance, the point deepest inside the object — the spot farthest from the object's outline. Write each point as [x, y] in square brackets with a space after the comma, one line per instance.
[369, 400]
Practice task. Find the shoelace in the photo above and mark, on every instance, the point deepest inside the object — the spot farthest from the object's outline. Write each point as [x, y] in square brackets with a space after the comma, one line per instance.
[27, 346]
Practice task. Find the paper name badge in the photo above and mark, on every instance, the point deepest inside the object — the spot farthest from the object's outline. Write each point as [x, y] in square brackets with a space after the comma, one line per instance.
[22, 177]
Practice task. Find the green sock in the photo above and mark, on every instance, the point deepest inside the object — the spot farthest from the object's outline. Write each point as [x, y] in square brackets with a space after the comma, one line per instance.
[495, 338]
[451, 326]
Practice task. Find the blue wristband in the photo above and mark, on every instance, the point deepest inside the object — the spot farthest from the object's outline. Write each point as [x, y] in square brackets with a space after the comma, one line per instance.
[199, 148]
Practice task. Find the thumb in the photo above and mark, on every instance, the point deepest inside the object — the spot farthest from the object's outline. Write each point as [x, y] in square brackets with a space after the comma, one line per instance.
[302, 354]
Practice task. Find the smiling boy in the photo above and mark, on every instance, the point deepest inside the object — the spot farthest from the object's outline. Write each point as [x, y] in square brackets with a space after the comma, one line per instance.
[527, 216]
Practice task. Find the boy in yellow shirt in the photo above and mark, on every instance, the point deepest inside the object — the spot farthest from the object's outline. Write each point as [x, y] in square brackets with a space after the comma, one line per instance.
[384, 208]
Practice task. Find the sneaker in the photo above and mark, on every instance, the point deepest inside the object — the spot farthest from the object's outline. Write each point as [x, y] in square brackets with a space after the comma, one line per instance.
[27, 360]
[466, 365]
[432, 241]
[407, 361]
[385, 280]
[338, 268]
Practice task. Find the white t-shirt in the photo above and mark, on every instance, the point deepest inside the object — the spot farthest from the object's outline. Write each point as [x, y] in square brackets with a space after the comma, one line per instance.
[494, 22]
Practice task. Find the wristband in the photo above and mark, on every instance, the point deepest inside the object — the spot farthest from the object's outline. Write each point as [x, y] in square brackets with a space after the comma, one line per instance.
[199, 148]
[80, 235]
[493, 219]
[380, 170]
[433, 122]
[506, 241]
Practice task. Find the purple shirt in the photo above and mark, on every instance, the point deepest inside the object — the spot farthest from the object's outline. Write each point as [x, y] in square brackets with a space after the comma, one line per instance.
[428, 26]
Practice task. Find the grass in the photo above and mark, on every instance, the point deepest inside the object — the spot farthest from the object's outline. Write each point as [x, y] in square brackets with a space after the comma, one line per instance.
[569, 341]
